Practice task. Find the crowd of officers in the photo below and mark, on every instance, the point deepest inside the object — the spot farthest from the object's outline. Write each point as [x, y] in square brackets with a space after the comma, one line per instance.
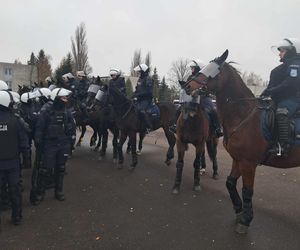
[43, 117]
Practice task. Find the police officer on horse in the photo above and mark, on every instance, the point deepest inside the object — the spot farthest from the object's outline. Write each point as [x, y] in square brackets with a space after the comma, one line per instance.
[284, 89]
[144, 93]
[117, 80]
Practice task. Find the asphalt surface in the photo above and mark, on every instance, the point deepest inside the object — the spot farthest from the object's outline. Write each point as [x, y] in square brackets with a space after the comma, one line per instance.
[107, 208]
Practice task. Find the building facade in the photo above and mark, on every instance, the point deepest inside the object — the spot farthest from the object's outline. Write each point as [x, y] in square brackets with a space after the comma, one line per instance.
[15, 74]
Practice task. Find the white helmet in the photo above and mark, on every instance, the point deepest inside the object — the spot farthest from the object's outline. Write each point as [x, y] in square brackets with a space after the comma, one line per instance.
[141, 67]
[288, 44]
[68, 75]
[42, 92]
[27, 96]
[52, 86]
[48, 79]
[6, 98]
[3, 85]
[197, 63]
[59, 92]
[80, 73]
[115, 71]
[16, 96]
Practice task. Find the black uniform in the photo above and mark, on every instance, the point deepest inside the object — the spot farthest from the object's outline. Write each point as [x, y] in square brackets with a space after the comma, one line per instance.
[118, 83]
[55, 131]
[13, 141]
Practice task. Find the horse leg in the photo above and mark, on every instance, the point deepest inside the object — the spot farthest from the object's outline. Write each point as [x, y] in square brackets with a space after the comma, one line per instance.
[104, 143]
[141, 138]
[231, 187]
[132, 138]
[197, 164]
[115, 144]
[179, 167]
[120, 149]
[203, 164]
[83, 130]
[248, 173]
[94, 137]
[211, 146]
[171, 141]
[100, 139]
[128, 150]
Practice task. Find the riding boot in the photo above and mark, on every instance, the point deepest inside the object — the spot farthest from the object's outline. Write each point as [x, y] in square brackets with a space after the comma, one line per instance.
[215, 123]
[172, 128]
[59, 182]
[16, 204]
[281, 148]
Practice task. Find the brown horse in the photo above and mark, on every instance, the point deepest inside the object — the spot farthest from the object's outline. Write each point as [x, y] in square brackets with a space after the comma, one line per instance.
[193, 127]
[238, 110]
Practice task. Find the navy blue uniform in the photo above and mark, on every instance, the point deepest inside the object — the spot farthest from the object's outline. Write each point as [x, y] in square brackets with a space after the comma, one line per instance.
[118, 83]
[144, 92]
[13, 141]
[54, 131]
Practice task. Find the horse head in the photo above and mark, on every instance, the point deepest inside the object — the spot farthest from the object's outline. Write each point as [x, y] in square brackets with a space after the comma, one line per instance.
[207, 76]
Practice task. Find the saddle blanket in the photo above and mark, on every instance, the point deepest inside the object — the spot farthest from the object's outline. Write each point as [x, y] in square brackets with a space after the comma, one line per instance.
[267, 123]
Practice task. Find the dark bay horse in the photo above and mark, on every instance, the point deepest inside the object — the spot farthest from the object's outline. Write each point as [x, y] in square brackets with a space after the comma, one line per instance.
[129, 123]
[240, 115]
[193, 127]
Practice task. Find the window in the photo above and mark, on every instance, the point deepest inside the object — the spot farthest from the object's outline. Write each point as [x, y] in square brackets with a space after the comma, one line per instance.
[8, 71]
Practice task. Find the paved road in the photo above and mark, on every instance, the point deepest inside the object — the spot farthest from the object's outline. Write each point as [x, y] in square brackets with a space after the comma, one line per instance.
[108, 208]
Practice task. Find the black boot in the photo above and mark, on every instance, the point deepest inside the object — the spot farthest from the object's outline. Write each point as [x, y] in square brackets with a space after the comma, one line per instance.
[148, 121]
[42, 181]
[59, 182]
[16, 204]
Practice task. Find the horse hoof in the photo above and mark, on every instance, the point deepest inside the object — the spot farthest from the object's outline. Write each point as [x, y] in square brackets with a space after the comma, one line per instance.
[115, 161]
[215, 176]
[168, 162]
[128, 151]
[241, 229]
[202, 171]
[138, 152]
[197, 188]
[95, 149]
[175, 190]
[100, 158]
[131, 168]
[120, 165]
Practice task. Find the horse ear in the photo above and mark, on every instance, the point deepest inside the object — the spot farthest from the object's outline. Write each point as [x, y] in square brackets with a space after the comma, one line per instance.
[220, 60]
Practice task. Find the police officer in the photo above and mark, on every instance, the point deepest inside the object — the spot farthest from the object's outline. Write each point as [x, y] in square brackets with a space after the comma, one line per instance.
[69, 82]
[284, 89]
[206, 101]
[144, 93]
[55, 131]
[117, 80]
[81, 86]
[50, 83]
[13, 141]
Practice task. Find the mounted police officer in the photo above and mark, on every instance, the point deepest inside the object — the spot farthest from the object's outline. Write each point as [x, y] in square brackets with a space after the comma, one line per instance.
[13, 141]
[206, 101]
[284, 89]
[55, 131]
[144, 93]
[50, 83]
[117, 80]
[69, 82]
[81, 86]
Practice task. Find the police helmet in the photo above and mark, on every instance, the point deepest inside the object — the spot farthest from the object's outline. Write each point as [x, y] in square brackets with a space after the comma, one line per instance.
[48, 79]
[68, 76]
[292, 45]
[59, 92]
[16, 96]
[81, 73]
[6, 98]
[43, 92]
[3, 85]
[115, 72]
[27, 96]
[141, 68]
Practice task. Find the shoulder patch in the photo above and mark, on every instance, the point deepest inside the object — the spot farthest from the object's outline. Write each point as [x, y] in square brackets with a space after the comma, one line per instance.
[293, 72]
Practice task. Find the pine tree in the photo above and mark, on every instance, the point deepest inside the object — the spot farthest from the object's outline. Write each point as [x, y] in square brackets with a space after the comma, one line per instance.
[155, 80]
[65, 67]
[129, 90]
[32, 60]
[43, 66]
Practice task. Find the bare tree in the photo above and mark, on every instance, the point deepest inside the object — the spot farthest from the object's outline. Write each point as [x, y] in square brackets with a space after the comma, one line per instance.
[148, 60]
[179, 71]
[80, 50]
[136, 60]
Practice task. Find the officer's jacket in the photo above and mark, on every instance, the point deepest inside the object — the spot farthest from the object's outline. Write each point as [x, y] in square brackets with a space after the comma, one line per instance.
[13, 138]
[285, 80]
[144, 88]
[81, 89]
[55, 125]
[118, 83]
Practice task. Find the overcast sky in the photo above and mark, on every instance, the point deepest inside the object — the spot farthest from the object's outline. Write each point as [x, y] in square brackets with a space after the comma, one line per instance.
[169, 29]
